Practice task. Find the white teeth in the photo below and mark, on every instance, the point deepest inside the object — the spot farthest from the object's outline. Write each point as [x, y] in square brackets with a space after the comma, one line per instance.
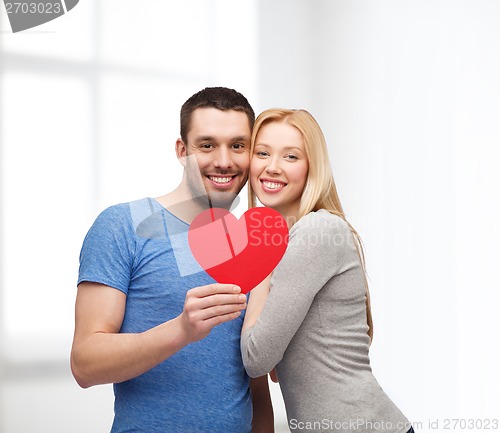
[220, 179]
[272, 185]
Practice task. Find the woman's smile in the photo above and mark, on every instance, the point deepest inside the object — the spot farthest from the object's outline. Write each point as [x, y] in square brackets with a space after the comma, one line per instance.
[272, 186]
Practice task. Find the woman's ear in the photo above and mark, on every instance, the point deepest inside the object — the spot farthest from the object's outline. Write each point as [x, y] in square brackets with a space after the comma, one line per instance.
[181, 151]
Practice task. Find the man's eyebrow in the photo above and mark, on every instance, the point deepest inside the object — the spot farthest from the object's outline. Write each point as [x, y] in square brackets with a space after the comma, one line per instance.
[241, 138]
[204, 138]
[212, 138]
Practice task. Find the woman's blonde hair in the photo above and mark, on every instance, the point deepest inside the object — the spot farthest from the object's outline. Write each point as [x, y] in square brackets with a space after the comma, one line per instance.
[320, 191]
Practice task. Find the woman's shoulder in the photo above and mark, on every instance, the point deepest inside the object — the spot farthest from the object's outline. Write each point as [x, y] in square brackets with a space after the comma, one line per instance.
[321, 220]
[322, 229]
[328, 234]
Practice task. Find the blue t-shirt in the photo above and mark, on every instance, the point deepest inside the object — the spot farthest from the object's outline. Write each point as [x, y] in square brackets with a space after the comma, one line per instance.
[142, 249]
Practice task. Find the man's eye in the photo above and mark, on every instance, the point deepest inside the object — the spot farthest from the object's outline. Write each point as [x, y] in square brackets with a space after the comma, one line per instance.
[207, 146]
[238, 146]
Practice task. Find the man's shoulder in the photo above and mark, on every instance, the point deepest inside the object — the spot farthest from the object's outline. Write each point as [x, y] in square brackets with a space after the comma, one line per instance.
[126, 210]
[123, 216]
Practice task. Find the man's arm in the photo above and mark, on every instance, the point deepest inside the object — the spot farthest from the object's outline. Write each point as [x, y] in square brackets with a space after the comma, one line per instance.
[100, 354]
[263, 415]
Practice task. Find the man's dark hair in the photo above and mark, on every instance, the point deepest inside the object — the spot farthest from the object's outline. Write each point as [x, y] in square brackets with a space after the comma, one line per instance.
[221, 98]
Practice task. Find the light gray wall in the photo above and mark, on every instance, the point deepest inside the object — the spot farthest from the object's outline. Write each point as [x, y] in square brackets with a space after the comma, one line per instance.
[408, 97]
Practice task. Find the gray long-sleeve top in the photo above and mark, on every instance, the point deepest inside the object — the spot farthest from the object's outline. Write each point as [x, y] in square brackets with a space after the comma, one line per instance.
[313, 328]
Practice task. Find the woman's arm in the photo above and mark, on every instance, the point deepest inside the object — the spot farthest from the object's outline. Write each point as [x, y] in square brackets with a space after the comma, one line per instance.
[256, 303]
[316, 252]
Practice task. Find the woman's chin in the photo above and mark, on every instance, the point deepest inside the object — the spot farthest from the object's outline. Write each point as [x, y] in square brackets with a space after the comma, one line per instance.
[268, 203]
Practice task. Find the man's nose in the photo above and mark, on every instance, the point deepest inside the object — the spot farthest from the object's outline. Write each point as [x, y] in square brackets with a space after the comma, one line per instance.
[223, 158]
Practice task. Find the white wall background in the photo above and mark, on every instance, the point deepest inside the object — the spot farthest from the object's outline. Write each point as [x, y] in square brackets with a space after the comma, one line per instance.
[408, 96]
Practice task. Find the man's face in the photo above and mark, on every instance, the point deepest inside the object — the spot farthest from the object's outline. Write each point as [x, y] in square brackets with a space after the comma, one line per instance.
[218, 158]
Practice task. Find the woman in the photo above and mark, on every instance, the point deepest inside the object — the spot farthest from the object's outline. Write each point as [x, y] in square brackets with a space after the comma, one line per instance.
[312, 321]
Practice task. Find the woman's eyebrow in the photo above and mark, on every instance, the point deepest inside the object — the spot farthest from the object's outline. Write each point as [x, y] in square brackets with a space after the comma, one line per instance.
[284, 148]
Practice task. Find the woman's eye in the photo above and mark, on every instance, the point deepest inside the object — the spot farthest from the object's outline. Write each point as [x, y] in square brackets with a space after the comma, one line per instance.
[291, 157]
[260, 153]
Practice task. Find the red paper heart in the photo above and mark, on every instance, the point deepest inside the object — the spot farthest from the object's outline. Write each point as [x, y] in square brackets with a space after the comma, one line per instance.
[241, 252]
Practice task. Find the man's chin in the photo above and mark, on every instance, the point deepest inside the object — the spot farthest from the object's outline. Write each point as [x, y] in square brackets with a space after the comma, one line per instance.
[223, 199]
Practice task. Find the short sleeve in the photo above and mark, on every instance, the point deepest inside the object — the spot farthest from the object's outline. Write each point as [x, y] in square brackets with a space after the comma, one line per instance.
[106, 256]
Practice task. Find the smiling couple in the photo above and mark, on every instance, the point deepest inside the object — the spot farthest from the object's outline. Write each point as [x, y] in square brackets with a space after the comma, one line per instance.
[179, 347]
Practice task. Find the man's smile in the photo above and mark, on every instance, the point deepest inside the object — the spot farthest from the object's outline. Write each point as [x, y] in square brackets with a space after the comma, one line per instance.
[222, 181]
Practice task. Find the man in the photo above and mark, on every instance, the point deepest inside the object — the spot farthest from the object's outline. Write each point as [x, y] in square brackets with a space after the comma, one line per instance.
[148, 318]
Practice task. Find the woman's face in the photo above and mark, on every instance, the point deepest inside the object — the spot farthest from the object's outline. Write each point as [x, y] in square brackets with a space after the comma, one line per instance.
[279, 166]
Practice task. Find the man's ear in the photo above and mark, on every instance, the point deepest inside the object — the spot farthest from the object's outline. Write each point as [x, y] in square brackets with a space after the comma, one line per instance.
[181, 151]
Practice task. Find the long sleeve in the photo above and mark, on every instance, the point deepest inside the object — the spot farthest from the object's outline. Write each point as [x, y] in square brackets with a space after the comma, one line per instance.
[315, 254]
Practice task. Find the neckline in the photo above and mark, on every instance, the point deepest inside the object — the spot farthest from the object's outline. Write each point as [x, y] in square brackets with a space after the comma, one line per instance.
[157, 203]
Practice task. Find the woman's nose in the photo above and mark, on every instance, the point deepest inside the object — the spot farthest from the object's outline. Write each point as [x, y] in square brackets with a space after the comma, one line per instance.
[273, 167]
